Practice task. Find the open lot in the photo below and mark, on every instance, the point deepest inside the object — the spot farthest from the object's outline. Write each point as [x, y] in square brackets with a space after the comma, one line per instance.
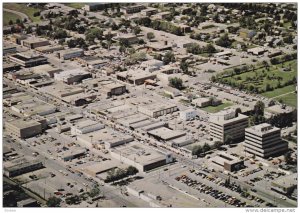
[289, 99]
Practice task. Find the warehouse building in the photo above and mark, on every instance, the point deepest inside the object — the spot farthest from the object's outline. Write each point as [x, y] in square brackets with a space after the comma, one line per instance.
[155, 110]
[49, 48]
[225, 124]
[264, 141]
[33, 43]
[23, 129]
[164, 134]
[70, 53]
[28, 59]
[140, 156]
[86, 126]
[21, 166]
[72, 154]
[228, 162]
[136, 77]
[47, 70]
[72, 76]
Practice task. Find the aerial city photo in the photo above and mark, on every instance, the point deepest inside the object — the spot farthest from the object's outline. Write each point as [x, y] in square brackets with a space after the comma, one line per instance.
[149, 104]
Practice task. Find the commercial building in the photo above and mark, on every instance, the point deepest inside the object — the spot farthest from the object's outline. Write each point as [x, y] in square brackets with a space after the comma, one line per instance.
[133, 9]
[188, 114]
[86, 126]
[21, 166]
[18, 38]
[228, 162]
[7, 67]
[72, 154]
[140, 156]
[182, 141]
[49, 48]
[164, 134]
[46, 69]
[227, 124]
[70, 53]
[33, 107]
[96, 6]
[106, 136]
[285, 185]
[23, 129]
[136, 77]
[256, 51]
[7, 49]
[264, 140]
[149, 12]
[113, 88]
[72, 76]
[28, 59]
[155, 110]
[33, 43]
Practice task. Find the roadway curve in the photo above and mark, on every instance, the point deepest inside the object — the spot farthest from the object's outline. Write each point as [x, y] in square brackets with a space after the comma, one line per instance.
[22, 15]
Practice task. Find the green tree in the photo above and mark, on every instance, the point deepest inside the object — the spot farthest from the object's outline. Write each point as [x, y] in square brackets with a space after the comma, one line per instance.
[197, 150]
[176, 83]
[150, 36]
[131, 170]
[10, 22]
[228, 139]
[206, 148]
[137, 30]
[218, 144]
[94, 192]
[168, 57]
[53, 202]
[237, 111]
[184, 66]
[224, 41]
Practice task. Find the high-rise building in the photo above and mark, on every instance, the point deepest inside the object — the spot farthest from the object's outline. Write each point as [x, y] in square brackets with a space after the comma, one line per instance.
[227, 123]
[264, 140]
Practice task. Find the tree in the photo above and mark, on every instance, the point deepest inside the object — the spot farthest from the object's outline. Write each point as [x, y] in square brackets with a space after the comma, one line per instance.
[206, 147]
[150, 36]
[224, 41]
[53, 202]
[132, 170]
[10, 22]
[94, 192]
[168, 57]
[137, 30]
[176, 83]
[18, 21]
[237, 111]
[184, 66]
[213, 78]
[228, 139]
[197, 150]
[218, 144]
[85, 13]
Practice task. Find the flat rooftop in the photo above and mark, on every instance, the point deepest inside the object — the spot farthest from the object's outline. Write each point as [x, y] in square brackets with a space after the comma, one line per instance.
[262, 129]
[20, 123]
[166, 134]
[139, 153]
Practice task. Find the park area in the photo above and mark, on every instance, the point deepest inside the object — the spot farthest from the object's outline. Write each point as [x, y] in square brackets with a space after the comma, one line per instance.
[214, 109]
[22, 7]
[276, 81]
[7, 17]
[75, 5]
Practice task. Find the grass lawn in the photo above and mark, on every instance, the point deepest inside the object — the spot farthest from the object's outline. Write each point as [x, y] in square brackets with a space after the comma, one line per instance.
[214, 109]
[75, 5]
[259, 79]
[7, 16]
[21, 7]
[279, 91]
[289, 99]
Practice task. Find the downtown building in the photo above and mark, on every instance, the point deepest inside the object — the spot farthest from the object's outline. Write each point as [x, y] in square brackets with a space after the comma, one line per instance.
[227, 123]
[264, 141]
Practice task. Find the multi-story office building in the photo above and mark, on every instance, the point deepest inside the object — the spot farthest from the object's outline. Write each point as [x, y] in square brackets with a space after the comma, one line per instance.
[264, 141]
[225, 124]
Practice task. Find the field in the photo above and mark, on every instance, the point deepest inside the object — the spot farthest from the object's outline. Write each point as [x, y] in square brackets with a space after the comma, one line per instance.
[261, 77]
[279, 91]
[7, 16]
[75, 5]
[289, 99]
[214, 109]
[29, 11]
